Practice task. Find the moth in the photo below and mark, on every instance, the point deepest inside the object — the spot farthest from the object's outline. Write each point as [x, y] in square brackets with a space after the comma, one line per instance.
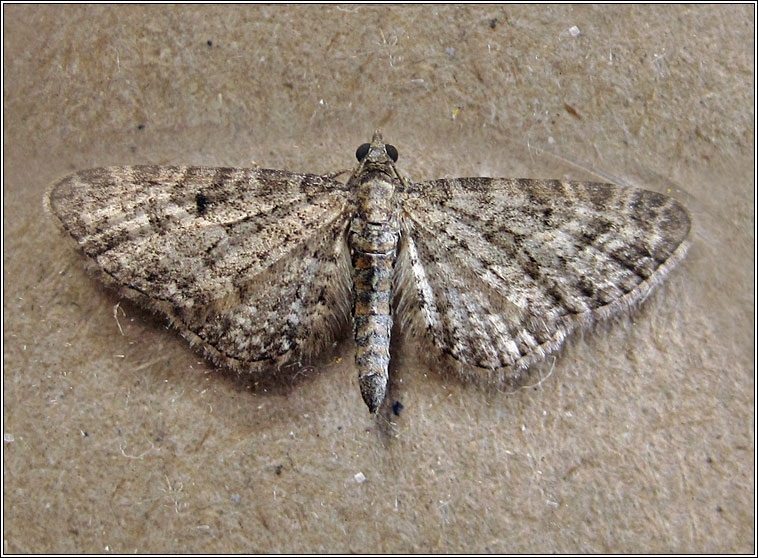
[263, 267]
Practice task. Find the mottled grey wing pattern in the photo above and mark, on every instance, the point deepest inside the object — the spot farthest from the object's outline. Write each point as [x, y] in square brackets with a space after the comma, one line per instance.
[209, 246]
[262, 267]
[498, 271]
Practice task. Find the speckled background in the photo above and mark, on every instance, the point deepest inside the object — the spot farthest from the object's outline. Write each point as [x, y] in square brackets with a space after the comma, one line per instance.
[119, 438]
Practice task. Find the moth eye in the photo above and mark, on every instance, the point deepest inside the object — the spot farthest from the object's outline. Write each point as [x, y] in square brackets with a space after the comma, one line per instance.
[362, 151]
[392, 152]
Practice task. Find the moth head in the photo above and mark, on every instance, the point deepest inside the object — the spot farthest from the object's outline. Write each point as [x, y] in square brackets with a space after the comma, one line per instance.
[377, 151]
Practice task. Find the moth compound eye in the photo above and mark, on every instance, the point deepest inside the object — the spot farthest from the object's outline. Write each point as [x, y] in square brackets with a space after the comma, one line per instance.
[392, 152]
[362, 151]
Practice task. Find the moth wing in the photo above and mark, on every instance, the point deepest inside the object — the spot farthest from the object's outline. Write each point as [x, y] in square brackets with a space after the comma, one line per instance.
[251, 263]
[498, 271]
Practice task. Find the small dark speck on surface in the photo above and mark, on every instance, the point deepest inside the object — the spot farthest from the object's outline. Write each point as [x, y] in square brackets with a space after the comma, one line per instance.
[396, 408]
[572, 111]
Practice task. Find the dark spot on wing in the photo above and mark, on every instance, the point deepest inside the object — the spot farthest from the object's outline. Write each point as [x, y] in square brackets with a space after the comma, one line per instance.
[202, 202]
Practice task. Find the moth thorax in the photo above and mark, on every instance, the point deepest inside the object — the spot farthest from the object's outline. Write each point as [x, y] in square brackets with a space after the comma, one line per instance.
[375, 199]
